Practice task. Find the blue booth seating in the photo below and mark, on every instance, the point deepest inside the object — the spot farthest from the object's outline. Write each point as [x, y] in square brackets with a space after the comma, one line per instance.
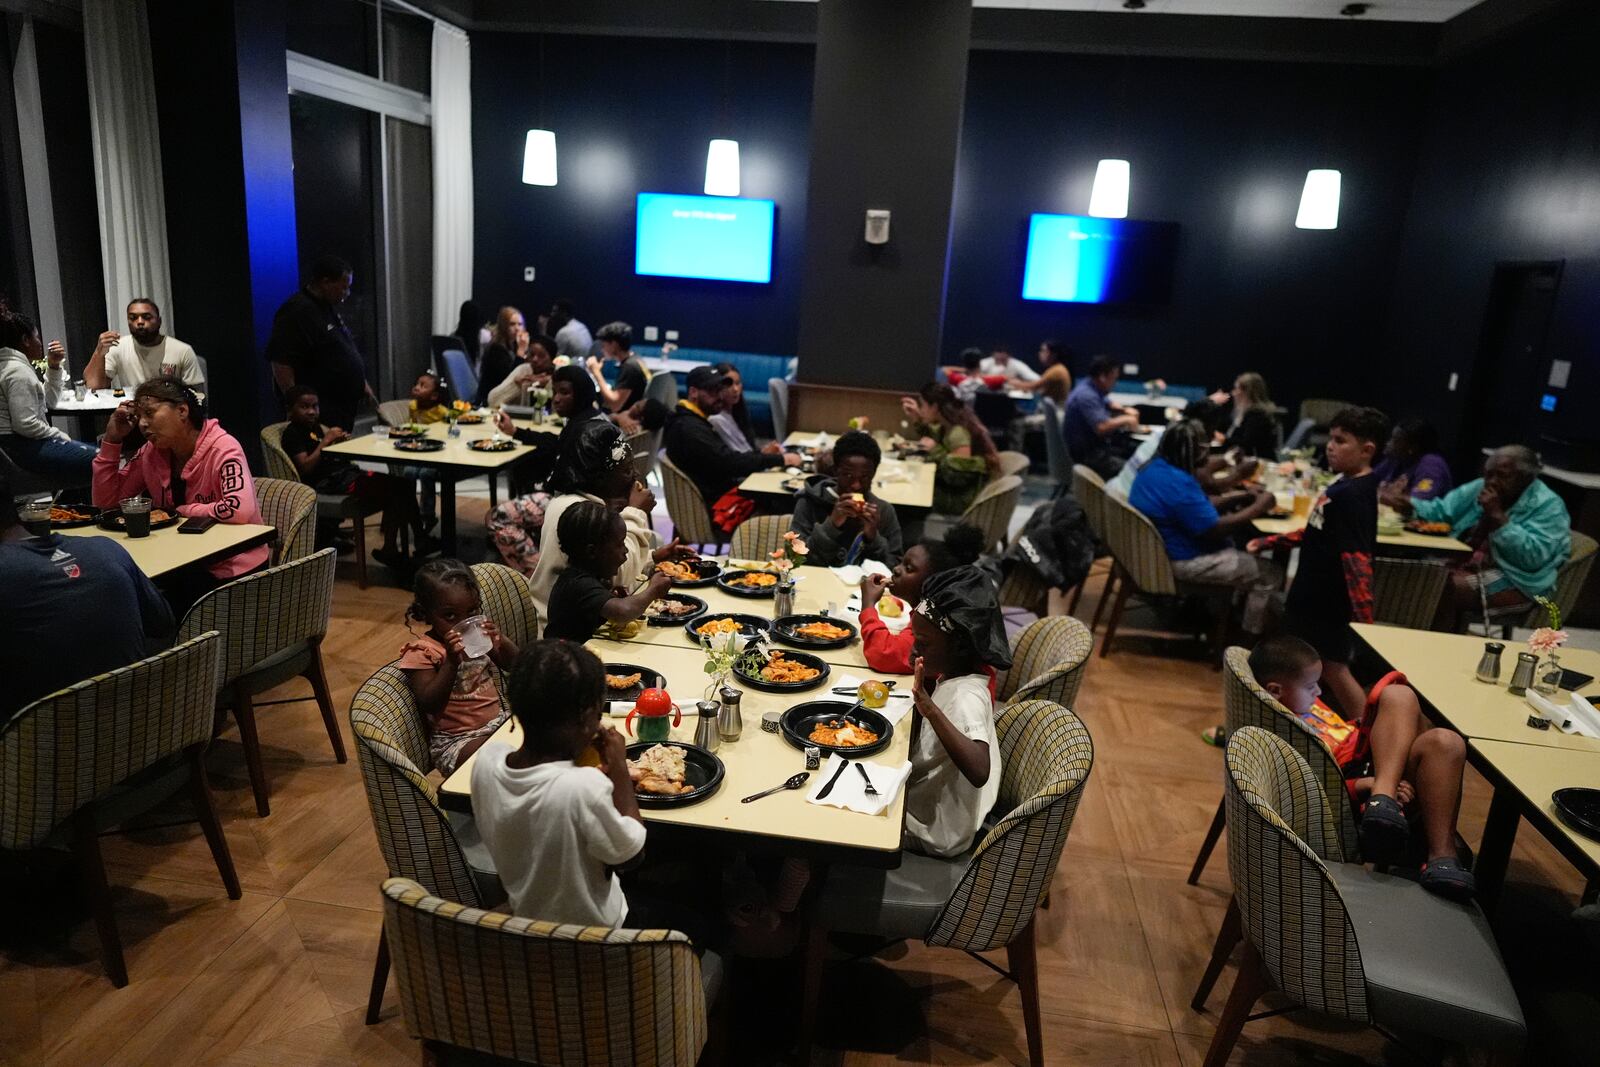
[754, 367]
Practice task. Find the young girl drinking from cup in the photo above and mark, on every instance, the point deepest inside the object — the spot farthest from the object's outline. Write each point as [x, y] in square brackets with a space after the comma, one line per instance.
[452, 681]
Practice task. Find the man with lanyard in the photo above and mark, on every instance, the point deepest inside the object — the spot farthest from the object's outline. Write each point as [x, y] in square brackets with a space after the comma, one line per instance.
[311, 345]
[696, 448]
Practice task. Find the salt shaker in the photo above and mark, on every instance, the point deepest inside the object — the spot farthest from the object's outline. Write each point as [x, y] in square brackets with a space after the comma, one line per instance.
[705, 731]
[1522, 675]
[730, 720]
[783, 598]
[1489, 663]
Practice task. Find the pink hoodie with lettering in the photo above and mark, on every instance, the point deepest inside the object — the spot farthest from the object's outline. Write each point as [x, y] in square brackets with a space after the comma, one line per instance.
[216, 479]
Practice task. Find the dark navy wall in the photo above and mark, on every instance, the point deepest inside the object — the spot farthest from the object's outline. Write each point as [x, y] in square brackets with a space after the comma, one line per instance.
[635, 115]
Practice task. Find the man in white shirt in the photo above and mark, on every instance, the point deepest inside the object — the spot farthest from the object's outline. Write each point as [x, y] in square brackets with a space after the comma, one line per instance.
[126, 361]
[1001, 362]
[573, 339]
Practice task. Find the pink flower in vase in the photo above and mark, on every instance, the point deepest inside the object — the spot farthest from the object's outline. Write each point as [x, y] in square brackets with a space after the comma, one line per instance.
[1544, 640]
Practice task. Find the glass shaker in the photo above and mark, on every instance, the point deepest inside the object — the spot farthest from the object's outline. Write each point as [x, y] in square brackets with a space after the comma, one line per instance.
[705, 731]
[730, 720]
[1489, 662]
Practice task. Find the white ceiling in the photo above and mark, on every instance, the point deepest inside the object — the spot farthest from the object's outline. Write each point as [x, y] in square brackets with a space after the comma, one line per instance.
[1377, 10]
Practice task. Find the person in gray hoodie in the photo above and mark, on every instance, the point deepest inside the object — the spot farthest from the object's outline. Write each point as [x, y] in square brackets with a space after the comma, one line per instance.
[839, 518]
[25, 430]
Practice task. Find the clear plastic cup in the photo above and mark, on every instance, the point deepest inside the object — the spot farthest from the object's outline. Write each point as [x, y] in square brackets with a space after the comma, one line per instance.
[380, 431]
[474, 641]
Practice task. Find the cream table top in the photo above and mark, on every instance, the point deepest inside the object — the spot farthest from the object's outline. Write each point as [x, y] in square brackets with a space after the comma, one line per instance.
[1535, 772]
[165, 551]
[1403, 539]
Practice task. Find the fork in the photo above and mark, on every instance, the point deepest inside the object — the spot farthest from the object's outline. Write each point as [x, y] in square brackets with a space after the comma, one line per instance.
[872, 790]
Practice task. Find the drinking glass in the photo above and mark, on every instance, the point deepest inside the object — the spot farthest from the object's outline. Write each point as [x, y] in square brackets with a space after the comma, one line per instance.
[35, 517]
[474, 641]
[136, 516]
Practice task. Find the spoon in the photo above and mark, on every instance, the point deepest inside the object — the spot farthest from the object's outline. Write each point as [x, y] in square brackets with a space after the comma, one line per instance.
[793, 783]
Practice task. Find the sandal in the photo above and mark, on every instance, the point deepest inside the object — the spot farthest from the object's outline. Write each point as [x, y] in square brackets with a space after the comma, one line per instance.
[1445, 876]
[1384, 832]
[1215, 735]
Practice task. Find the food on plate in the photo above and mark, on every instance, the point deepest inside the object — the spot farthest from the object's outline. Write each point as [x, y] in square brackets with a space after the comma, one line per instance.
[119, 392]
[825, 631]
[1418, 526]
[60, 514]
[470, 419]
[659, 770]
[841, 734]
[623, 681]
[873, 693]
[678, 572]
[755, 580]
[671, 609]
[781, 669]
[718, 626]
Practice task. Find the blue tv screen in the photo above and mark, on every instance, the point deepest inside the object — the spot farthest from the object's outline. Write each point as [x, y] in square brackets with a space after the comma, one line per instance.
[1083, 260]
[723, 238]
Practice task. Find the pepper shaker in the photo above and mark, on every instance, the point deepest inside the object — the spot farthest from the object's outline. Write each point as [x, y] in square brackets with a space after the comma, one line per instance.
[1522, 675]
[705, 731]
[730, 720]
[1489, 662]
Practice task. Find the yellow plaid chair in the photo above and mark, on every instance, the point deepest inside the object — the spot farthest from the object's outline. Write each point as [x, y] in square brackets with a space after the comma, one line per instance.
[759, 535]
[92, 755]
[1407, 592]
[1021, 587]
[417, 838]
[991, 510]
[539, 992]
[272, 626]
[1090, 489]
[1011, 463]
[508, 600]
[1335, 937]
[291, 509]
[1247, 704]
[1047, 662]
[690, 512]
[335, 507]
[1141, 567]
[1569, 583]
[986, 899]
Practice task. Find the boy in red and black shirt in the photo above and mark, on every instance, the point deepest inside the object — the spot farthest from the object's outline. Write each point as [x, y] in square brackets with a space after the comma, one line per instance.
[1333, 585]
[1394, 763]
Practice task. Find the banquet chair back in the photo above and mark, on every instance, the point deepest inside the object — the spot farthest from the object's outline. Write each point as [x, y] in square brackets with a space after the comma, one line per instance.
[1055, 444]
[759, 536]
[64, 756]
[1569, 580]
[1090, 489]
[1137, 547]
[540, 992]
[1246, 703]
[1407, 592]
[291, 509]
[688, 510]
[778, 400]
[645, 445]
[1007, 463]
[394, 412]
[458, 372]
[663, 387]
[333, 507]
[508, 601]
[1022, 587]
[279, 465]
[991, 510]
[272, 625]
[1048, 660]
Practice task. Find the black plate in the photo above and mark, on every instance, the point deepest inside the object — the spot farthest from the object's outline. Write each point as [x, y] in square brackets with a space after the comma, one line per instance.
[402, 433]
[419, 444]
[728, 577]
[652, 680]
[1579, 808]
[111, 519]
[708, 570]
[486, 444]
[700, 609]
[749, 625]
[702, 772]
[755, 681]
[93, 513]
[799, 720]
[783, 630]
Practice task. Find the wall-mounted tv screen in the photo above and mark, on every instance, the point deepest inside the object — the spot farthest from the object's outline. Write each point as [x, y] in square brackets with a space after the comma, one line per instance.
[1083, 260]
[724, 238]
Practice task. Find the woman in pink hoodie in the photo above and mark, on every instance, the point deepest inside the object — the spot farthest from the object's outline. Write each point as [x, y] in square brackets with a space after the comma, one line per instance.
[189, 465]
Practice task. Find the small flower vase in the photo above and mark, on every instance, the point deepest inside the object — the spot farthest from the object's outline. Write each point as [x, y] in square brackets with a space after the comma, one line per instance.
[1547, 676]
[455, 428]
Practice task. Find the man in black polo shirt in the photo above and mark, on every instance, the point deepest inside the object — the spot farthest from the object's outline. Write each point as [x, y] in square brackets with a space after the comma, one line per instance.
[697, 449]
[311, 345]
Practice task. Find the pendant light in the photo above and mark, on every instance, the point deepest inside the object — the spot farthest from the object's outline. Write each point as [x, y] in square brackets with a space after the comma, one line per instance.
[539, 150]
[1109, 197]
[1319, 201]
[722, 168]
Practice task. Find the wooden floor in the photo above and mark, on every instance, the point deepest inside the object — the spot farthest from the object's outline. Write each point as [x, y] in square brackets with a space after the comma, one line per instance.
[280, 977]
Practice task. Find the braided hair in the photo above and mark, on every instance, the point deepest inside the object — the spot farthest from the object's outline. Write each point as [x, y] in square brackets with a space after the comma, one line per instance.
[170, 390]
[1183, 445]
[431, 578]
[584, 527]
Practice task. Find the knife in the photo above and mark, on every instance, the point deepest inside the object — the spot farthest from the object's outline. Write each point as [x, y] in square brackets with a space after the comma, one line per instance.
[843, 763]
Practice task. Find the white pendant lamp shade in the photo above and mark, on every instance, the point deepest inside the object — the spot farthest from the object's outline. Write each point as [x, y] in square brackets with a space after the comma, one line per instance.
[722, 168]
[539, 158]
[1109, 198]
[1319, 201]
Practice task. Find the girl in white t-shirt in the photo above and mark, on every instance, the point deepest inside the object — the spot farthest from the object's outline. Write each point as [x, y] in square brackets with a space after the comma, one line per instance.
[955, 754]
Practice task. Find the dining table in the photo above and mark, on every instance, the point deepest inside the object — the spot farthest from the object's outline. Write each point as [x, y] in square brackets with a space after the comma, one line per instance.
[905, 483]
[168, 550]
[1407, 541]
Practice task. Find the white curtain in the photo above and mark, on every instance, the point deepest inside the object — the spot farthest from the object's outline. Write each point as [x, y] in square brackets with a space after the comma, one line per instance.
[127, 157]
[452, 175]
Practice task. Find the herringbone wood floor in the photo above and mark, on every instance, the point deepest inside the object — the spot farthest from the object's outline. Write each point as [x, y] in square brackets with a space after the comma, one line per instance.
[280, 977]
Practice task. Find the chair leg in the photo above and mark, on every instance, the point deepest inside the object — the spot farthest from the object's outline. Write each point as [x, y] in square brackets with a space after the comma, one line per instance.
[1106, 593]
[1023, 959]
[319, 686]
[1228, 938]
[380, 979]
[361, 553]
[92, 871]
[200, 793]
[1218, 821]
[1247, 989]
[1077, 594]
[244, 713]
[1123, 589]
